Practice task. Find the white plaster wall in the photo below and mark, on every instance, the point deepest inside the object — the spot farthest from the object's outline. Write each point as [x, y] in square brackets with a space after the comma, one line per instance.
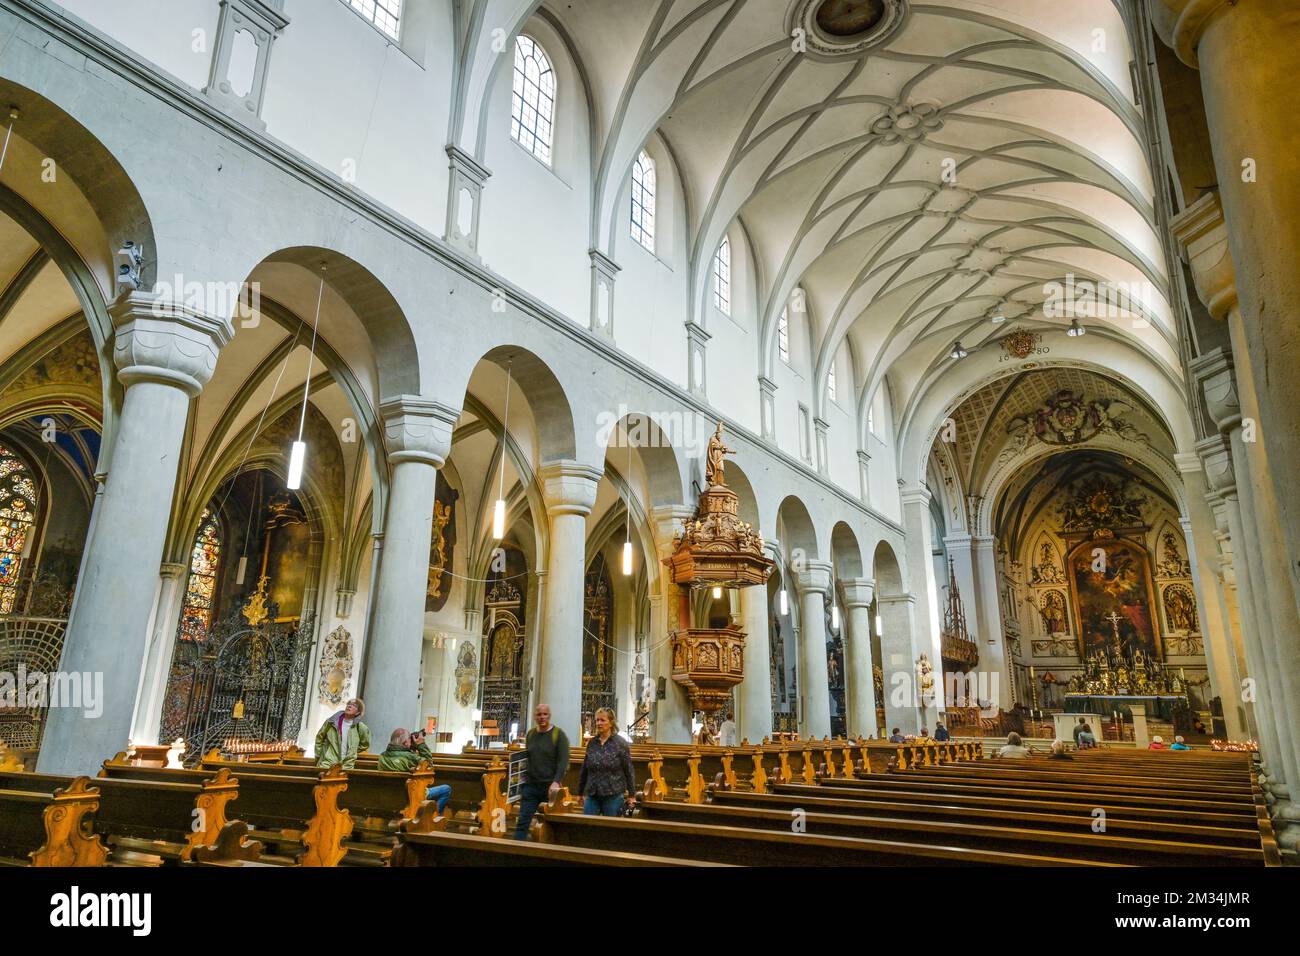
[732, 352]
[162, 33]
[376, 111]
[535, 221]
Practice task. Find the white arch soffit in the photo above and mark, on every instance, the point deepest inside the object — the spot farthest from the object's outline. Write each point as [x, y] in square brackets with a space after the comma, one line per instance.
[478, 60]
[924, 418]
[1003, 474]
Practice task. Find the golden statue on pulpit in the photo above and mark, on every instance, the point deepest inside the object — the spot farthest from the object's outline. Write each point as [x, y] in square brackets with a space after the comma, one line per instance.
[715, 462]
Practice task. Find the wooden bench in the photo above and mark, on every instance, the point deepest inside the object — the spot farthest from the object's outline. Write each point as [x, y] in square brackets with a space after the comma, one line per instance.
[167, 821]
[51, 829]
[751, 847]
[1076, 842]
[457, 849]
[300, 812]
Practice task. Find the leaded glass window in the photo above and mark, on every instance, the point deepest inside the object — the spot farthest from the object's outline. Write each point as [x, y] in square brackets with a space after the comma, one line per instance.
[643, 201]
[386, 15]
[783, 335]
[722, 278]
[830, 383]
[200, 589]
[17, 524]
[532, 103]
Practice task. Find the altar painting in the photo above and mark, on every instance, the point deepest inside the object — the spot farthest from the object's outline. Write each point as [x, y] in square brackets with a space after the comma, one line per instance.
[1115, 604]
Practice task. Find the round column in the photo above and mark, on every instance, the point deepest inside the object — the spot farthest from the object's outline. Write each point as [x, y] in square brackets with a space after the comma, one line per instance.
[165, 353]
[158, 658]
[672, 715]
[754, 717]
[814, 687]
[861, 691]
[569, 488]
[417, 434]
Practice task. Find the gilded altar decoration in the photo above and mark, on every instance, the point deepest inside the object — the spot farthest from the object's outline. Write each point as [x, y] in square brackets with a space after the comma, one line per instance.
[1048, 569]
[714, 549]
[438, 559]
[1180, 609]
[336, 666]
[1021, 343]
[1098, 504]
[442, 547]
[1171, 563]
[255, 609]
[925, 676]
[466, 673]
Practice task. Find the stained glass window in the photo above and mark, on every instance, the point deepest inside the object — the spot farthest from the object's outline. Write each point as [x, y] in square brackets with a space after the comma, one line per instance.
[386, 15]
[532, 104]
[722, 278]
[201, 587]
[643, 201]
[17, 524]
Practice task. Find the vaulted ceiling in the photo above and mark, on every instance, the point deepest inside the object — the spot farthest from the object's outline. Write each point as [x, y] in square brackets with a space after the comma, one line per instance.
[918, 185]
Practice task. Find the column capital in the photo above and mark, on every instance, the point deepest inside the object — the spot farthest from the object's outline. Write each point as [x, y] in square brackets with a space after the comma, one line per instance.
[1214, 373]
[983, 542]
[864, 456]
[697, 333]
[1182, 23]
[766, 385]
[958, 539]
[417, 429]
[814, 578]
[897, 599]
[1216, 456]
[604, 263]
[1188, 463]
[171, 569]
[156, 340]
[921, 496]
[858, 592]
[569, 487]
[1202, 234]
[666, 520]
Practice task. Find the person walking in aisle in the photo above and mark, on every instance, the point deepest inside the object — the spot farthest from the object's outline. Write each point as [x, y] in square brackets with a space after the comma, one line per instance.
[607, 770]
[548, 761]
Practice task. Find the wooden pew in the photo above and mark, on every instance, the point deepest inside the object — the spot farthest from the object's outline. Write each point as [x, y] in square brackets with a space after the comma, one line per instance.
[1078, 843]
[477, 788]
[457, 849]
[749, 847]
[164, 820]
[1234, 831]
[298, 811]
[51, 829]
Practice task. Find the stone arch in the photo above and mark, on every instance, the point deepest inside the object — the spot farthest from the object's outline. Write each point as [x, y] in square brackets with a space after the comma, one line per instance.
[798, 533]
[886, 570]
[846, 556]
[545, 397]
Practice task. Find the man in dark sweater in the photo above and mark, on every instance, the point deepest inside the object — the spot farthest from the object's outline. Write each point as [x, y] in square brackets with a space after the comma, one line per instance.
[548, 761]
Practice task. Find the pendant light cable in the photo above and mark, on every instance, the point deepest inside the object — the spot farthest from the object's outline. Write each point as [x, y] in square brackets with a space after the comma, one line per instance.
[4, 150]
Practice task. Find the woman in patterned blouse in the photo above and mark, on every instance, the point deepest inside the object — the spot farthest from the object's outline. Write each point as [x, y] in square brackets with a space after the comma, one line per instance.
[607, 770]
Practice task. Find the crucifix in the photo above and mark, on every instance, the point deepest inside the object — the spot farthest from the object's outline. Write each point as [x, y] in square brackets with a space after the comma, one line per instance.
[1114, 619]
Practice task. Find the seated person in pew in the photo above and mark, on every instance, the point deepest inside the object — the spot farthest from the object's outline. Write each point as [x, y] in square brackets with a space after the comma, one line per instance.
[728, 735]
[1179, 744]
[1058, 751]
[343, 736]
[1157, 743]
[896, 737]
[548, 761]
[401, 758]
[941, 733]
[1015, 747]
[607, 770]
[420, 745]
[1086, 738]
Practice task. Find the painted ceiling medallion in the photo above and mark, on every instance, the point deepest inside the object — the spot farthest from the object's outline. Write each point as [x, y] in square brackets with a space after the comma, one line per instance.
[907, 123]
[847, 27]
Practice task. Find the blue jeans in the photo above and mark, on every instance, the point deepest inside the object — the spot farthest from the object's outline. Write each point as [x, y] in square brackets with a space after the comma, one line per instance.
[611, 806]
[441, 793]
[531, 796]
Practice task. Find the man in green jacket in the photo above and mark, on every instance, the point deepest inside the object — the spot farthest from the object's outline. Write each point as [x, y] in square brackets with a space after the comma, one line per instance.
[403, 757]
[343, 736]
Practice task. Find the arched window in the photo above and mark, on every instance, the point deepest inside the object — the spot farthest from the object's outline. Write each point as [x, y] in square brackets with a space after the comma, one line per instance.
[386, 15]
[643, 201]
[201, 587]
[783, 335]
[17, 524]
[830, 382]
[722, 277]
[532, 105]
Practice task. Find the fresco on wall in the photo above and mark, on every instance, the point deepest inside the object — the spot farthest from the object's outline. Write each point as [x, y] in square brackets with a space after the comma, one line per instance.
[1113, 599]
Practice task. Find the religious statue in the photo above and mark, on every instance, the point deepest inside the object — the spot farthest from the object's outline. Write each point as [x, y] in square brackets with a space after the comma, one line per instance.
[713, 466]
